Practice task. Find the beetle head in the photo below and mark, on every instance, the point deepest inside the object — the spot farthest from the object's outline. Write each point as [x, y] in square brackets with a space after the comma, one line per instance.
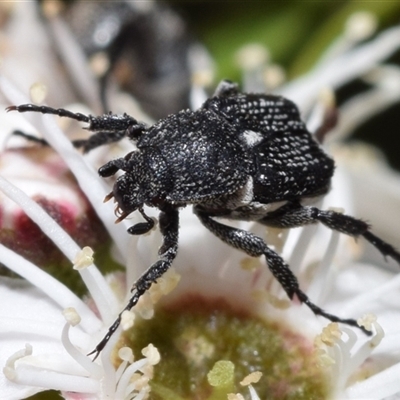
[128, 195]
[141, 184]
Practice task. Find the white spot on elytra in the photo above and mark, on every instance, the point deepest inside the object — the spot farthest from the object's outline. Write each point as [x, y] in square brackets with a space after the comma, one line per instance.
[252, 138]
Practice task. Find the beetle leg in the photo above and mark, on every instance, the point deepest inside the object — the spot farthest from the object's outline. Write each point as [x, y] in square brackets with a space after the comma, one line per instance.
[169, 228]
[108, 128]
[94, 141]
[111, 167]
[30, 138]
[142, 227]
[254, 246]
[296, 215]
[99, 139]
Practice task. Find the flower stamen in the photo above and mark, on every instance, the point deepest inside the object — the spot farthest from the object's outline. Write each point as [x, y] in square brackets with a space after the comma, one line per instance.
[9, 369]
[94, 369]
[84, 258]
[100, 291]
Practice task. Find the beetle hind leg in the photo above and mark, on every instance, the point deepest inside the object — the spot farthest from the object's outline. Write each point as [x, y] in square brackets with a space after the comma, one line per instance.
[254, 246]
[294, 215]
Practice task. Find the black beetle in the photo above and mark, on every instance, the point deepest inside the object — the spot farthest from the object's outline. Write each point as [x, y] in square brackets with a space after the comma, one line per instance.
[240, 156]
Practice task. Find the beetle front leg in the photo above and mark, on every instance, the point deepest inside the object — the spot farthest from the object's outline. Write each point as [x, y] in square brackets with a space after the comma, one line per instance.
[169, 228]
[98, 139]
[142, 227]
[111, 167]
[109, 131]
[94, 141]
[107, 128]
[254, 246]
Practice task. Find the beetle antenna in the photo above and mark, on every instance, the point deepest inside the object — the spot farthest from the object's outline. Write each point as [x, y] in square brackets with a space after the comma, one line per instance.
[61, 112]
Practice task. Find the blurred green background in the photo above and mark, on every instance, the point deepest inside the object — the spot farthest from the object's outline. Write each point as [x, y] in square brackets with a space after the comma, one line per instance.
[295, 32]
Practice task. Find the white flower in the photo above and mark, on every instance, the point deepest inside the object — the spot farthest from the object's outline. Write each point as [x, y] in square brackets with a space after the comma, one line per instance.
[47, 330]
[50, 349]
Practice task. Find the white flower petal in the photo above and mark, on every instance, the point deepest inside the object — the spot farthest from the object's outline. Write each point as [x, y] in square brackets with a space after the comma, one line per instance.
[32, 317]
[379, 386]
[93, 279]
[50, 286]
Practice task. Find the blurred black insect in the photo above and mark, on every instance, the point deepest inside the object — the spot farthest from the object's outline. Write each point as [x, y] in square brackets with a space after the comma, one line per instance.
[240, 156]
[146, 46]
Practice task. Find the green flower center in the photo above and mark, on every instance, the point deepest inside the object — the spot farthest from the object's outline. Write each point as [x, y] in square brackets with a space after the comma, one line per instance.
[207, 348]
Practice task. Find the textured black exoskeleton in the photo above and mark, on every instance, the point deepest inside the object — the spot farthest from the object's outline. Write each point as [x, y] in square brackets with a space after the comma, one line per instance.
[240, 156]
